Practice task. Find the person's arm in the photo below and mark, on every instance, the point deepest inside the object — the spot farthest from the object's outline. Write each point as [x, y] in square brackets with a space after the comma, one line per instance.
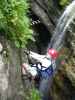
[36, 56]
[26, 68]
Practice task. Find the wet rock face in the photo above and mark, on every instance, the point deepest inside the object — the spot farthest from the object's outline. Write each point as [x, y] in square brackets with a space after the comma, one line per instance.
[11, 87]
[3, 77]
[70, 67]
[47, 11]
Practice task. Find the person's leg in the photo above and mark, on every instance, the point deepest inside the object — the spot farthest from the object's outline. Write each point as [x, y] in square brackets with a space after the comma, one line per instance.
[44, 88]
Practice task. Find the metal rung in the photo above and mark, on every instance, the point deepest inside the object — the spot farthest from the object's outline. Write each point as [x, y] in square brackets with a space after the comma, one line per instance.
[35, 22]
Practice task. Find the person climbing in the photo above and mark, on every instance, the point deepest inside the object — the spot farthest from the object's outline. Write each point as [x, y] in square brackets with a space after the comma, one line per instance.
[45, 68]
[45, 63]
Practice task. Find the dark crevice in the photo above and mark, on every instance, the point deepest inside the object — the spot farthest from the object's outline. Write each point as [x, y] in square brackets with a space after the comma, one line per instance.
[41, 34]
[42, 37]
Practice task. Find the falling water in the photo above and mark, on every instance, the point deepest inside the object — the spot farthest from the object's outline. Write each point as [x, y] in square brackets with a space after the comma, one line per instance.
[63, 23]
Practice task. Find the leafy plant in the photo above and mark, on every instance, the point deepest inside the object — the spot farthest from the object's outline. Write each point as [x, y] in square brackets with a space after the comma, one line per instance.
[15, 22]
[64, 2]
[34, 94]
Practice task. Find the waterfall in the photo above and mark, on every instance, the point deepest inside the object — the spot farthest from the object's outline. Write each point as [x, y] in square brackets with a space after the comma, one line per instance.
[63, 23]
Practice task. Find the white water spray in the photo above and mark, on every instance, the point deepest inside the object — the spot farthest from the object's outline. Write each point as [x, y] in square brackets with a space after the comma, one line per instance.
[63, 23]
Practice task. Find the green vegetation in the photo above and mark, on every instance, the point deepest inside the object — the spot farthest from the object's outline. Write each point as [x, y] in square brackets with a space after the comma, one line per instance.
[34, 94]
[64, 2]
[15, 22]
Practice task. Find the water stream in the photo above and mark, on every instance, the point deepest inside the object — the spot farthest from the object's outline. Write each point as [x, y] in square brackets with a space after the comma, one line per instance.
[67, 17]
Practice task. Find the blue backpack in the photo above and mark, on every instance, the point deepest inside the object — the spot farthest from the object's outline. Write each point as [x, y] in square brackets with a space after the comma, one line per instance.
[44, 73]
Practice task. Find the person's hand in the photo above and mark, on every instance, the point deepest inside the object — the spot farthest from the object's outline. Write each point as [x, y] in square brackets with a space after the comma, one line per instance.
[27, 52]
[25, 74]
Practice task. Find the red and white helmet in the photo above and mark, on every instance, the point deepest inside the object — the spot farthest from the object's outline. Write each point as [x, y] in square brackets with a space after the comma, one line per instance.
[53, 53]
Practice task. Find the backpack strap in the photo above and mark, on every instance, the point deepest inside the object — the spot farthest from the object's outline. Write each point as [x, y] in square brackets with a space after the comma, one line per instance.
[44, 73]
